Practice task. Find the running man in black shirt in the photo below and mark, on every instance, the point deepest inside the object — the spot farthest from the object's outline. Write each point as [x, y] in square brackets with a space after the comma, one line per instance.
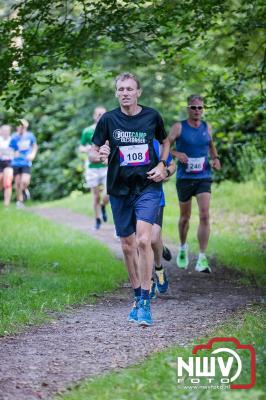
[134, 182]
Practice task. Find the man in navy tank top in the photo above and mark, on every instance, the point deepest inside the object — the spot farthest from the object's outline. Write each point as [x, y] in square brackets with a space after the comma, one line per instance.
[194, 145]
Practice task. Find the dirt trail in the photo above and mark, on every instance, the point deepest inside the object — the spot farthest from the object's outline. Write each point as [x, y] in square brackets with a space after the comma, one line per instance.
[93, 339]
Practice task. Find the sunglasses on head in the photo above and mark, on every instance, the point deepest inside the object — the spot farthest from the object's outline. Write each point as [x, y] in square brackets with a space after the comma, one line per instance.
[194, 108]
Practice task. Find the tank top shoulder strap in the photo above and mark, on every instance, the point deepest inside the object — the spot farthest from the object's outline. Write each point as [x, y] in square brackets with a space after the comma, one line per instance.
[183, 124]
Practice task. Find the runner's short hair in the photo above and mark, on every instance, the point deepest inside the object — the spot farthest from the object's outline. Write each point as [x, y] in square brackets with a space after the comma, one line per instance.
[24, 123]
[127, 75]
[194, 97]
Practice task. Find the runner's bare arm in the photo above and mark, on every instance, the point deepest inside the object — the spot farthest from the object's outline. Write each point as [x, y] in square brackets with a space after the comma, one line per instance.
[33, 153]
[215, 162]
[94, 154]
[84, 149]
[175, 133]
[105, 151]
[159, 173]
[171, 170]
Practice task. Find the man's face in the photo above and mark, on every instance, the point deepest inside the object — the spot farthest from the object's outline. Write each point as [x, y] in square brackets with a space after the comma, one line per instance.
[127, 92]
[195, 109]
[21, 129]
[98, 112]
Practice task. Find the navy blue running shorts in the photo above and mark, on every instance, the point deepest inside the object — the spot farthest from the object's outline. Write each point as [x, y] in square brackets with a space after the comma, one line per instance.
[159, 217]
[186, 188]
[21, 170]
[128, 209]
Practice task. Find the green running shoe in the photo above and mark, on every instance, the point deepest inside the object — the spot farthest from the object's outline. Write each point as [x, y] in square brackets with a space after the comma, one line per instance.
[203, 265]
[182, 258]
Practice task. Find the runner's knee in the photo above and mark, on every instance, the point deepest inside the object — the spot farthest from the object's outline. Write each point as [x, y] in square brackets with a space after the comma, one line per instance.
[204, 216]
[127, 248]
[143, 242]
[184, 219]
[7, 183]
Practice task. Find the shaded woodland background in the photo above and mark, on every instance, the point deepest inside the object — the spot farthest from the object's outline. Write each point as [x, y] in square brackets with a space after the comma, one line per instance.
[58, 60]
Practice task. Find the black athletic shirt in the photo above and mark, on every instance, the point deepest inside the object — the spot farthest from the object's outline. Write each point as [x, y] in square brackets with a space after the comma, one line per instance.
[124, 130]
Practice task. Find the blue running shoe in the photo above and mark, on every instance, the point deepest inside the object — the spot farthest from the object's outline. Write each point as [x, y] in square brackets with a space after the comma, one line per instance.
[161, 281]
[153, 289]
[144, 313]
[133, 315]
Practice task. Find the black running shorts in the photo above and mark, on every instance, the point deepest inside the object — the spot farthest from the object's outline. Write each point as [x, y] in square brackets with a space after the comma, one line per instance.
[186, 188]
[4, 164]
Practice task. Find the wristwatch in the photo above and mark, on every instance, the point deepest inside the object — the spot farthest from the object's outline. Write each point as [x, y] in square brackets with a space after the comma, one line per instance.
[168, 172]
[164, 162]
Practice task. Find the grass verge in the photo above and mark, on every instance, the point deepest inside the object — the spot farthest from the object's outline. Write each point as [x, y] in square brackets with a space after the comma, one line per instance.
[48, 267]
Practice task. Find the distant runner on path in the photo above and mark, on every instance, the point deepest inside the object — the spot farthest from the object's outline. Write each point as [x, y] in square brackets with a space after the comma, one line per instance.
[24, 144]
[194, 178]
[134, 182]
[95, 172]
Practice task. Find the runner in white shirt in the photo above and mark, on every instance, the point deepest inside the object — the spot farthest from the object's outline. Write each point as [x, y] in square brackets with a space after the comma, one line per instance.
[6, 171]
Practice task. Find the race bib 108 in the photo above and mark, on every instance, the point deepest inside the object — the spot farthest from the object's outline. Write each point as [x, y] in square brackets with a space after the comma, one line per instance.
[195, 165]
[134, 155]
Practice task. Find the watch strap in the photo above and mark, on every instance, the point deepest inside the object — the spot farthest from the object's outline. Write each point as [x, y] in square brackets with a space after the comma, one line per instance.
[164, 162]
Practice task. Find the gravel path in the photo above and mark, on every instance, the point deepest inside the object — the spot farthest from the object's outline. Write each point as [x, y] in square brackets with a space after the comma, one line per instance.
[93, 339]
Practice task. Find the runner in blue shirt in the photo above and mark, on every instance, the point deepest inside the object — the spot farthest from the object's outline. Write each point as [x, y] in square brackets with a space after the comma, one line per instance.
[23, 142]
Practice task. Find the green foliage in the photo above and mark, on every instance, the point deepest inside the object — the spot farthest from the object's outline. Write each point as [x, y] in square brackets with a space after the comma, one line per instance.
[72, 51]
[75, 35]
[250, 163]
[58, 118]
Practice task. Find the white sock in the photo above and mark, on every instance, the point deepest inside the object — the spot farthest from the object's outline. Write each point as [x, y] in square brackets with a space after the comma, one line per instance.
[201, 255]
[183, 246]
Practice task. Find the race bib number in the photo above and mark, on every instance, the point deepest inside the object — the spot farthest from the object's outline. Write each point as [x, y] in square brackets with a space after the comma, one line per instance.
[135, 155]
[24, 145]
[195, 165]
